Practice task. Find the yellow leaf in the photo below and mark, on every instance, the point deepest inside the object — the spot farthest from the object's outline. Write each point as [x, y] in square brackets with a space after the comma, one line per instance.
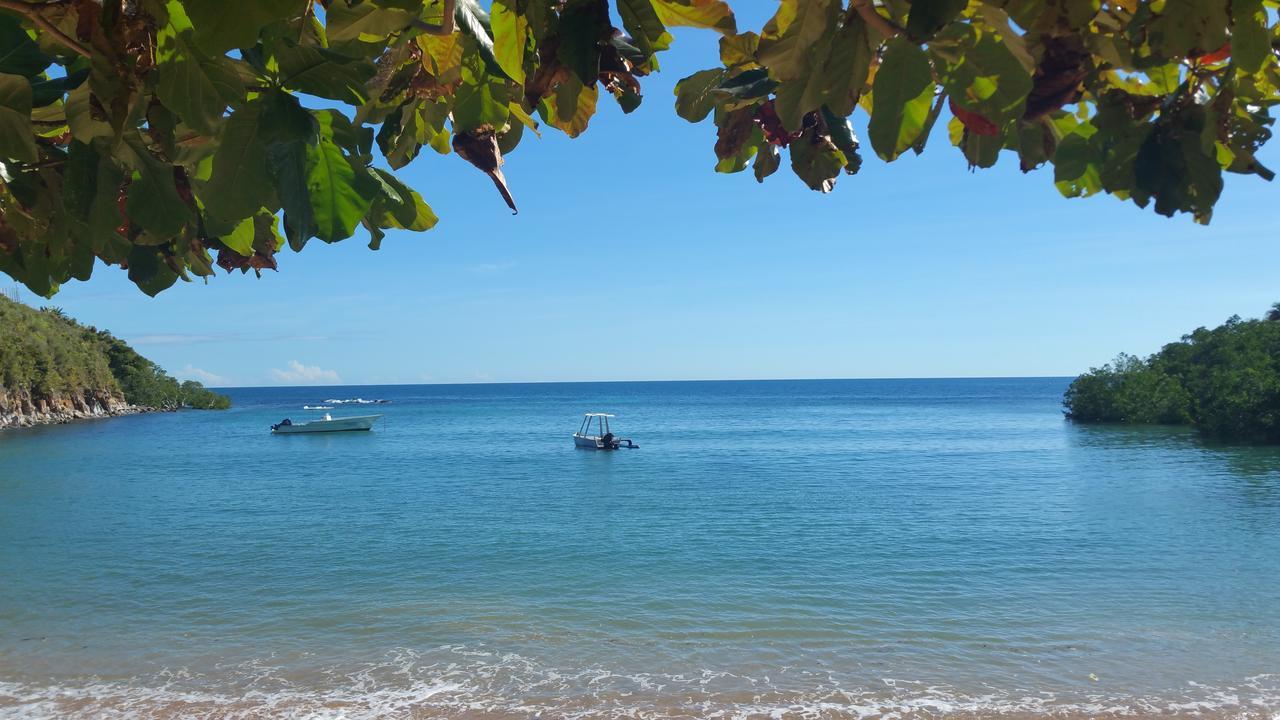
[442, 56]
[709, 14]
[570, 107]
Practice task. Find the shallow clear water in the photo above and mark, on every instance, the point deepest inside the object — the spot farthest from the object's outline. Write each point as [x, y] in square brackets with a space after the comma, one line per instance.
[807, 548]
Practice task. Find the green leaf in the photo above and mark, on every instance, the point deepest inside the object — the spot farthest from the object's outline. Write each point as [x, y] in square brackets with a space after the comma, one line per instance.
[84, 127]
[1250, 40]
[149, 271]
[1188, 27]
[283, 119]
[767, 161]
[816, 160]
[583, 25]
[792, 54]
[842, 137]
[47, 92]
[401, 207]
[694, 98]
[19, 54]
[647, 32]
[706, 14]
[17, 139]
[222, 25]
[1177, 164]
[847, 66]
[473, 23]
[510, 36]
[367, 22]
[241, 238]
[194, 86]
[289, 167]
[987, 79]
[481, 99]
[240, 180]
[339, 196]
[104, 213]
[266, 236]
[324, 73]
[902, 95]
[153, 203]
[91, 192]
[929, 16]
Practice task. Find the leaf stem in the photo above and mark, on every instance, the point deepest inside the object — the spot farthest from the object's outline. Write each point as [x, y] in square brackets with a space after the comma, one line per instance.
[446, 23]
[869, 15]
[30, 11]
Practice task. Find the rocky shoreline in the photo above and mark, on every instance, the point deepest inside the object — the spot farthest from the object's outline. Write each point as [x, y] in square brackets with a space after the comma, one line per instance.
[21, 409]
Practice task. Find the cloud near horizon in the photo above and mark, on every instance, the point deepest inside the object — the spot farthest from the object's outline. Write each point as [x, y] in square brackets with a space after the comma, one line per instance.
[190, 372]
[306, 374]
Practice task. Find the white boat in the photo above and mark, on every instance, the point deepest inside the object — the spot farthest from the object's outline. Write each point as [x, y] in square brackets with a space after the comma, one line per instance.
[603, 438]
[326, 424]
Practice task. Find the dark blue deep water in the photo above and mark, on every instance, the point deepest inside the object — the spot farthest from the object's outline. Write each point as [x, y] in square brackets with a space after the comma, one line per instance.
[898, 548]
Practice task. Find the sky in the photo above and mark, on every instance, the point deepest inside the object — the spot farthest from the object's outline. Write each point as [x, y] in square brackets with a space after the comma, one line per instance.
[631, 259]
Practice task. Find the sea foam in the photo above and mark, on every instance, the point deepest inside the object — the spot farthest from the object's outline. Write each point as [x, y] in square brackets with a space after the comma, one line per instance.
[461, 682]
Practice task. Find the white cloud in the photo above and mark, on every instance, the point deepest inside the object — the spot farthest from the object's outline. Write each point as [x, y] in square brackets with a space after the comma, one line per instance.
[492, 268]
[182, 339]
[191, 372]
[305, 374]
[174, 339]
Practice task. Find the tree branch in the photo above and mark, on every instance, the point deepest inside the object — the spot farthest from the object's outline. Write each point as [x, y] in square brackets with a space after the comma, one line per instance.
[446, 23]
[869, 15]
[31, 12]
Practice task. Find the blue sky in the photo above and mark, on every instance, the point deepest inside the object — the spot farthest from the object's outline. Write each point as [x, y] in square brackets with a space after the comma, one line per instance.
[632, 260]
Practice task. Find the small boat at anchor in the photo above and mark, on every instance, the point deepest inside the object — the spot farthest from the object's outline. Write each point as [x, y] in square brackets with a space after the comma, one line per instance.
[325, 424]
[603, 439]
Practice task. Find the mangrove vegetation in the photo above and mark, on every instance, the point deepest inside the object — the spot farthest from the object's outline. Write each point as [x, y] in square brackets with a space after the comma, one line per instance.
[1225, 382]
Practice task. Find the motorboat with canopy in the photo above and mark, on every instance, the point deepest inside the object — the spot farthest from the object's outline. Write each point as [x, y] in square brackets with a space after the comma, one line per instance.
[594, 434]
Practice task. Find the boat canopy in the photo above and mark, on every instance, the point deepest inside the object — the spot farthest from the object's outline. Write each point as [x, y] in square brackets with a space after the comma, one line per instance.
[601, 421]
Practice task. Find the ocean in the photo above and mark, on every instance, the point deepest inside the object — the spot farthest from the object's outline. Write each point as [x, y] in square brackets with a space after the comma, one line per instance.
[782, 549]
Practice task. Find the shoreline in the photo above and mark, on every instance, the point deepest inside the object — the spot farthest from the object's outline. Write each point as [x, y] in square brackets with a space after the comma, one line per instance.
[20, 409]
[452, 695]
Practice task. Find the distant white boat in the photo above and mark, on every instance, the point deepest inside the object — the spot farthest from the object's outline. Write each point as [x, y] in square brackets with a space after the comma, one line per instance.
[356, 401]
[603, 438]
[317, 407]
[326, 424]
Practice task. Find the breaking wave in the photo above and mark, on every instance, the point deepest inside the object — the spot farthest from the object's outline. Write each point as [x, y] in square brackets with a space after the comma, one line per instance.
[356, 401]
[457, 682]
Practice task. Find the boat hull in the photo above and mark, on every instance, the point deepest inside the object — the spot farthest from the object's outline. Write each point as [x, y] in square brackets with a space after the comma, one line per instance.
[591, 442]
[347, 424]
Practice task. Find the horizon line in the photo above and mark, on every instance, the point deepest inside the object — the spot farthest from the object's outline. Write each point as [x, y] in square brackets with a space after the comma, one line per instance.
[605, 382]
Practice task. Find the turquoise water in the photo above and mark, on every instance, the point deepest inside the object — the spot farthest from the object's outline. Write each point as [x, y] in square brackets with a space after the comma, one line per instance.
[786, 549]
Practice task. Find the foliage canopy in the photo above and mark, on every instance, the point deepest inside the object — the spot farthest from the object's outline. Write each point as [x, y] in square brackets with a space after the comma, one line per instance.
[1224, 381]
[154, 135]
[47, 354]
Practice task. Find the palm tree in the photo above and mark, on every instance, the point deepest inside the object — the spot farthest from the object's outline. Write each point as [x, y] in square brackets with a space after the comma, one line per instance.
[1274, 313]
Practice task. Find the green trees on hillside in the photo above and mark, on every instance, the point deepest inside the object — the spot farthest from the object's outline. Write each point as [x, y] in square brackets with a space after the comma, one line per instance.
[48, 354]
[44, 353]
[1224, 381]
[145, 383]
[170, 137]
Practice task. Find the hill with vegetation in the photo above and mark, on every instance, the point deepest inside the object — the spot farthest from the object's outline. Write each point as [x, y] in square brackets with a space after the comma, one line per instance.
[54, 369]
[1225, 382]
